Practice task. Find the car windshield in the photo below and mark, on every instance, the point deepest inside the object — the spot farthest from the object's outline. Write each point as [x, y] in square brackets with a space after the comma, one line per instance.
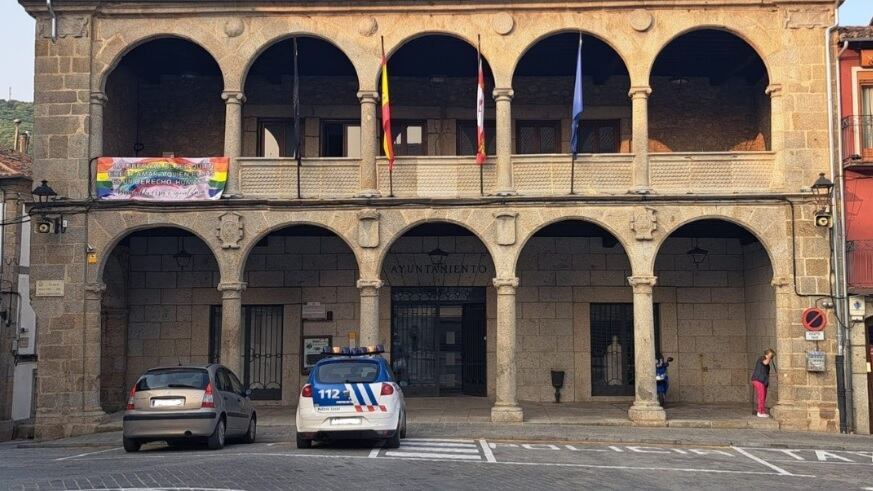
[174, 378]
[347, 372]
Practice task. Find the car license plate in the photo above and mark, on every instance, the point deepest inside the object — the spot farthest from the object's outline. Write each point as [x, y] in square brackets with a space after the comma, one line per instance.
[167, 402]
[345, 421]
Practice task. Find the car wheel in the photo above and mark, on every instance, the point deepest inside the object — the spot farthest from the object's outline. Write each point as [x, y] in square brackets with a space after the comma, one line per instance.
[303, 442]
[252, 433]
[394, 441]
[130, 445]
[216, 439]
[403, 428]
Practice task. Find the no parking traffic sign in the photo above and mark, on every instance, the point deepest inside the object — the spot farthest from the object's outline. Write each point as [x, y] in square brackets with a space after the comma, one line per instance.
[814, 319]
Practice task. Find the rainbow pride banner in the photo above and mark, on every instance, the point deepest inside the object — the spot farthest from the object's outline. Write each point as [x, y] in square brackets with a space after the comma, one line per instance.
[161, 178]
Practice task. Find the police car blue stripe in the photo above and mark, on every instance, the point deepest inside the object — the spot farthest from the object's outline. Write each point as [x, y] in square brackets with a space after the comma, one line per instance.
[370, 394]
[351, 394]
[358, 395]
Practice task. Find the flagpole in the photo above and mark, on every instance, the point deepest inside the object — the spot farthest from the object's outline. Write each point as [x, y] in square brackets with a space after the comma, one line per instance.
[297, 120]
[478, 69]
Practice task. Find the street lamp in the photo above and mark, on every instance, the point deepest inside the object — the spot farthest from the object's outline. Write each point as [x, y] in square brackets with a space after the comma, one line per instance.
[43, 192]
[437, 257]
[183, 257]
[822, 190]
[698, 255]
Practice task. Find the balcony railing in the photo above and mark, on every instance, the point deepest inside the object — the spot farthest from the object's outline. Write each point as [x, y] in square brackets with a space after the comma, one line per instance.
[859, 263]
[711, 172]
[857, 139]
[533, 175]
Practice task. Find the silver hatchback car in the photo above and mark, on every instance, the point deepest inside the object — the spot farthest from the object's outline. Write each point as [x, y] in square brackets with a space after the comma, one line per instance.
[183, 403]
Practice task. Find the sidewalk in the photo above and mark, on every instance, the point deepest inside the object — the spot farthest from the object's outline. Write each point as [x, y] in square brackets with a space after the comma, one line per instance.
[534, 432]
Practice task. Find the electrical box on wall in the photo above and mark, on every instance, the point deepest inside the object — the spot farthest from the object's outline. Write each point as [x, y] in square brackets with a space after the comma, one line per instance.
[815, 361]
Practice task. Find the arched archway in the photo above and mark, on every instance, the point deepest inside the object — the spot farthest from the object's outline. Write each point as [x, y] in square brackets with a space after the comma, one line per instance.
[433, 80]
[441, 324]
[164, 97]
[718, 311]
[709, 95]
[543, 83]
[158, 308]
[301, 294]
[329, 109]
[575, 314]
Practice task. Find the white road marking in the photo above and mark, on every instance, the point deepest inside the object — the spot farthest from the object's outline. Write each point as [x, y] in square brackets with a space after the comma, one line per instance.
[448, 440]
[419, 443]
[375, 452]
[486, 450]
[432, 456]
[87, 453]
[416, 448]
[762, 461]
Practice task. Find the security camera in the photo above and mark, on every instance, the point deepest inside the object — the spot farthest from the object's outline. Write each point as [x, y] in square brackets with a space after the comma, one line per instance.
[823, 219]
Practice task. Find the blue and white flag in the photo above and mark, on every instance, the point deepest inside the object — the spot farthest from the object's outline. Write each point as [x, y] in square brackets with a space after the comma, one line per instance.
[577, 104]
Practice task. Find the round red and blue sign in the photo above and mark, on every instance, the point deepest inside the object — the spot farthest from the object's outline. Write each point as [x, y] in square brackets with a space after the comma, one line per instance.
[814, 319]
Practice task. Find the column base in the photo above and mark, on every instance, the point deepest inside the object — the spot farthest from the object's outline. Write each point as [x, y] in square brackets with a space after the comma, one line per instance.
[640, 190]
[507, 414]
[506, 192]
[647, 415]
[369, 193]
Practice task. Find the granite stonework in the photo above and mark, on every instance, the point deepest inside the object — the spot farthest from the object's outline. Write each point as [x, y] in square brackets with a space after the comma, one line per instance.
[745, 298]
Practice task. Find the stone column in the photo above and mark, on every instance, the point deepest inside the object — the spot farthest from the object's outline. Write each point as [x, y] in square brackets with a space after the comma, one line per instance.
[233, 138]
[369, 333]
[231, 325]
[503, 99]
[93, 343]
[95, 149]
[776, 135]
[369, 135]
[645, 410]
[640, 101]
[506, 408]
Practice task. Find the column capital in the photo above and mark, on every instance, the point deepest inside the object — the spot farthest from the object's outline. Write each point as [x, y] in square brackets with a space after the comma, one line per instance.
[99, 97]
[233, 97]
[369, 287]
[642, 284]
[95, 291]
[368, 96]
[503, 94]
[774, 90]
[640, 92]
[232, 289]
[505, 286]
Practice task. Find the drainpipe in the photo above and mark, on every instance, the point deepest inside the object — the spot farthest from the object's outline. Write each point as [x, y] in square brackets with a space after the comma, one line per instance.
[838, 246]
[54, 21]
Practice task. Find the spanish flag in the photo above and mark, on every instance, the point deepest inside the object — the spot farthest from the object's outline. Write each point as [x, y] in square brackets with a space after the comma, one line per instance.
[387, 137]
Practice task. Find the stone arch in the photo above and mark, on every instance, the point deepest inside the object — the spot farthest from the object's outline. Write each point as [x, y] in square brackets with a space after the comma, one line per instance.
[756, 46]
[385, 250]
[272, 41]
[543, 36]
[401, 43]
[116, 54]
[246, 250]
[569, 218]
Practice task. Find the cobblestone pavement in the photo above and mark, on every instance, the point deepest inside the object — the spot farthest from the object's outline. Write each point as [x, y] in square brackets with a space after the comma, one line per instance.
[434, 462]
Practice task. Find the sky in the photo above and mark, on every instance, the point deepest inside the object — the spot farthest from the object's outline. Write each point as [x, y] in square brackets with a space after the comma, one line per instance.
[17, 31]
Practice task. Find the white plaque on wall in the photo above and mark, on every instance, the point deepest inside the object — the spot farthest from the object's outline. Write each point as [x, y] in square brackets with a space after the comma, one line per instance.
[50, 288]
[314, 311]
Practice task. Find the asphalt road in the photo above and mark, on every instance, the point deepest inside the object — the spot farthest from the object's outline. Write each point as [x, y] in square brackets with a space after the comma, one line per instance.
[435, 463]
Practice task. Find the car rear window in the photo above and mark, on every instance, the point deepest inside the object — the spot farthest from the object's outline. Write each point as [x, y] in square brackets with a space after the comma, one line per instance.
[347, 372]
[174, 378]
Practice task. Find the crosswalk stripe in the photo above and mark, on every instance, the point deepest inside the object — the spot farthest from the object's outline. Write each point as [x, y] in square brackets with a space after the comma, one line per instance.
[447, 440]
[450, 450]
[440, 444]
[423, 455]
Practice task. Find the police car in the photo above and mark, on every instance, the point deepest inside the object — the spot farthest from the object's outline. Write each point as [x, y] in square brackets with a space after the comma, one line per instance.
[351, 393]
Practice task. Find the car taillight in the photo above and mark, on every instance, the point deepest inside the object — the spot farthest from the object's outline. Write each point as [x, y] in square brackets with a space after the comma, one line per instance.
[208, 401]
[130, 404]
[387, 389]
[307, 391]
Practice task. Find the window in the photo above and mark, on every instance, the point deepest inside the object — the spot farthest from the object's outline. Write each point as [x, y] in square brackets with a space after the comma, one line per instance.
[410, 137]
[599, 135]
[222, 380]
[169, 378]
[537, 137]
[467, 138]
[347, 372]
[866, 122]
[276, 138]
[235, 383]
[341, 139]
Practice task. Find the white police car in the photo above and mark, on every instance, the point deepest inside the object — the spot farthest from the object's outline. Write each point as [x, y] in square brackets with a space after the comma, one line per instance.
[351, 393]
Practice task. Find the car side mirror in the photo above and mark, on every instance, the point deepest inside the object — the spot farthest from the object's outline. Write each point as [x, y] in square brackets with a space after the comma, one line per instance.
[247, 392]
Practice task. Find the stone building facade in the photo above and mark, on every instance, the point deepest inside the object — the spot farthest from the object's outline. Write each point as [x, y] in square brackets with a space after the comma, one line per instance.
[690, 233]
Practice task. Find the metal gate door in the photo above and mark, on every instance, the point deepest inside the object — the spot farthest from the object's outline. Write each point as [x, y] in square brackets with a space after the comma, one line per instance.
[263, 351]
[474, 349]
[612, 348]
[414, 348]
